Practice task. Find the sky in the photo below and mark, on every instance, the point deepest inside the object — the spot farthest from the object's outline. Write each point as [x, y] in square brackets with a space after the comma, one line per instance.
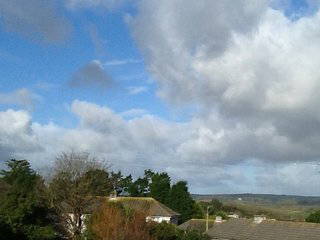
[222, 94]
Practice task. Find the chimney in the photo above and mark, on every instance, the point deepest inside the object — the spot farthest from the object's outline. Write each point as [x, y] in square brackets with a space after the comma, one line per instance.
[259, 219]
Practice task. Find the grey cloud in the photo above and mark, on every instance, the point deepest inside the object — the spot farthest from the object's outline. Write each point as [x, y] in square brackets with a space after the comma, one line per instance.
[91, 75]
[37, 19]
[252, 70]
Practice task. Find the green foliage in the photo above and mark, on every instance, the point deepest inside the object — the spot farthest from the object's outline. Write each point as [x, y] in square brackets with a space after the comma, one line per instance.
[198, 212]
[24, 207]
[160, 187]
[216, 206]
[195, 235]
[314, 217]
[167, 231]
[139, 188]
[181, 201]
[99, 182]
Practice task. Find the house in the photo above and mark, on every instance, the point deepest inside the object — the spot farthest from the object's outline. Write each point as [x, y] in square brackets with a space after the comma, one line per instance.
[258, 228]
[196, 224]
[233, 215]
[154, 210]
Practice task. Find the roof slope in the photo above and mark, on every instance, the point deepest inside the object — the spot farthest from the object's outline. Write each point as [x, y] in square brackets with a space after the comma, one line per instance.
[246, 229]
[148, 205]
[196, 224]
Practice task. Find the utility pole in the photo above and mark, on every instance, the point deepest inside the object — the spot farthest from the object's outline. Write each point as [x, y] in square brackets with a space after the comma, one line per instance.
[207, 220]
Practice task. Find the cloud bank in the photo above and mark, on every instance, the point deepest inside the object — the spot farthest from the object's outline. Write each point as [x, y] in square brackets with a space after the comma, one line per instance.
[210, 160]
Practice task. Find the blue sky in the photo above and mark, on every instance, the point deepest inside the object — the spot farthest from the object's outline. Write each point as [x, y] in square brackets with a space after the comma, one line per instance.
[230, 99]
[46, 68]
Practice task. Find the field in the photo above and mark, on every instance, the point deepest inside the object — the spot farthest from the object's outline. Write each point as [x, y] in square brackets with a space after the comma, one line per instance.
[280, 207]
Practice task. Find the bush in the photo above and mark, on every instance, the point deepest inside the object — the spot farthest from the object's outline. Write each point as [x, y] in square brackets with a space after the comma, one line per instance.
[314, 217]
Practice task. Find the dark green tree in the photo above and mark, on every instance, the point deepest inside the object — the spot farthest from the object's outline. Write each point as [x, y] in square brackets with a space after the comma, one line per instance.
[139, 188]
[160, 187]
[166, 231]
[24, 206]
[181, 201]
[314, 217]
[215, 206]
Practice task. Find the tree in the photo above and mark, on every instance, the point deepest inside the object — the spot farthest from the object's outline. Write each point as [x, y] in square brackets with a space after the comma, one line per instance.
[160, 187]
[77, 179]
[24, 208]
[139, 188]
[120, 183]
[314, 217]
[216, 206]
[113, 222]
[181, 201]
[166, 231]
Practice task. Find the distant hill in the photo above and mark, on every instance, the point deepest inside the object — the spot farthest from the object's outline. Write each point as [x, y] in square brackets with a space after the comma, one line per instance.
[280, 207]
[268, 199]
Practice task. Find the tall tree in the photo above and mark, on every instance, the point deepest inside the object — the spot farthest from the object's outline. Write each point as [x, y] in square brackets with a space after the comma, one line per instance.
[24, 205]
[77, 179]
[181, 201]
[160, 187]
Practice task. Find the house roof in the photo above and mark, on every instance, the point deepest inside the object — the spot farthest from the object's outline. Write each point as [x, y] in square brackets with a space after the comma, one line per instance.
[246, 229]
[146, 204]
[196, 224]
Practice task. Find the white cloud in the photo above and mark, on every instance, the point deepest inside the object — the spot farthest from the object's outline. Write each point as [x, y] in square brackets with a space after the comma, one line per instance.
[207, 158]
[22, 97]
[134, 90]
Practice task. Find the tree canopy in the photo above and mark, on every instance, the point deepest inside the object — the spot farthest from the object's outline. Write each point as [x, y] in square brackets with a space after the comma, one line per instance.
[24, 210]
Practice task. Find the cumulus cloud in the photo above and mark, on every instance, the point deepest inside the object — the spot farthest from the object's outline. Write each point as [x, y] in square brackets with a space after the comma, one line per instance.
[16, 135]
[185, 150]
[91, 75]
[251, 69]
[21, 97]
[38, 19]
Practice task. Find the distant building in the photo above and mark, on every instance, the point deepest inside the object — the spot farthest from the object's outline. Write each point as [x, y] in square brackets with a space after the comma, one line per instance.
[233, 215]
[263, 229]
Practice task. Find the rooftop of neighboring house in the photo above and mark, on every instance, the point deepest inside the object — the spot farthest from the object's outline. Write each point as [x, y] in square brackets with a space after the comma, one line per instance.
[248, 229]
[148, 205]
[196, 224]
